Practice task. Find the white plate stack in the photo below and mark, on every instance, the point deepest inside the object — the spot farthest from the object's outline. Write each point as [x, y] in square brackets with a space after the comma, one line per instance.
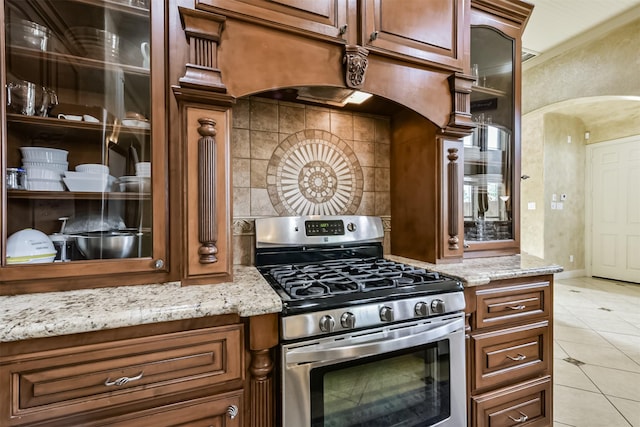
[44, 167]
[143, 169]
[140, 183]
[89, 177]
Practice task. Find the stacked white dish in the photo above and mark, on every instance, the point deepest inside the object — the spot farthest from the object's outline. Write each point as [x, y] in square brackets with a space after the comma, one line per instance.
[140, 183]
[44, 167]
[143, 169]
[89, 178]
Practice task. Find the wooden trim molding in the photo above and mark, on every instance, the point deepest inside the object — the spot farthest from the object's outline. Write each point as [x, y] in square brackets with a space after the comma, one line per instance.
[460, 122]
[202, 30]
[207, 221]
[355, 60]
[513, 10]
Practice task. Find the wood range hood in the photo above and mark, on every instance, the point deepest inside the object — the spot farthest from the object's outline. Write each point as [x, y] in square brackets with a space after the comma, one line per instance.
[232, 53]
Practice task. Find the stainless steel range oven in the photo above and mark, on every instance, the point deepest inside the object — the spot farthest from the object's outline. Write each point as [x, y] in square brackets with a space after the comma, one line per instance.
[365, 341]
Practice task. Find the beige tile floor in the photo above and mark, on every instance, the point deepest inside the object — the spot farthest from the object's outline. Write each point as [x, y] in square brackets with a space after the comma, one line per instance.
[596, 353]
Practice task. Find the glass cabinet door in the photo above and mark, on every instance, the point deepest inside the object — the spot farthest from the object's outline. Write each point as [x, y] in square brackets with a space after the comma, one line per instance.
[489, 152]
[77, 149]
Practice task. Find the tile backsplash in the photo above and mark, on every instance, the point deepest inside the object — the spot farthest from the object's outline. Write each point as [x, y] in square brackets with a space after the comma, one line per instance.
[295, 159]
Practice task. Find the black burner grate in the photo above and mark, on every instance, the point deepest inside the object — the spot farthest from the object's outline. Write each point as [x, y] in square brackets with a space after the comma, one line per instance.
[346, 276]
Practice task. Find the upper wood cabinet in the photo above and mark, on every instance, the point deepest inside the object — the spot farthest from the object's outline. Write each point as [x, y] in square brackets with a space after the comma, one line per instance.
[427, 32]
[415, 29]
[85, 81]
[491, 187]
[327, 19]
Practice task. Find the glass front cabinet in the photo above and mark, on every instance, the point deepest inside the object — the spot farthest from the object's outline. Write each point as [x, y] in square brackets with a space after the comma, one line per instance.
[83, 153]
[492, 153]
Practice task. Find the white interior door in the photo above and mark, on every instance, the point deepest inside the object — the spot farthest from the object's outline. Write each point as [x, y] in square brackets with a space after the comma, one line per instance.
[615, 209]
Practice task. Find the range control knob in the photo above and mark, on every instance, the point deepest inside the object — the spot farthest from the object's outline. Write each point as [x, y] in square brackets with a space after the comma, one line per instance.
[437, 306]
[422, 309]
[327, 323]
[351, 227]
[386, 314]
[348, 320]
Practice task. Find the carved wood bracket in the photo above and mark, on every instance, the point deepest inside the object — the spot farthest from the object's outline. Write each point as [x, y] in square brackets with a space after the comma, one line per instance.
[452, 179]
[207, 221]
[460, 122]
[203, 31]
[355, 62]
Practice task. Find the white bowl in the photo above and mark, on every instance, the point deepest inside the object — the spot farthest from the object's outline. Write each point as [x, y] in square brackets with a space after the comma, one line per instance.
[36, 172]
[135, 123]
[85, 175]
[143, 169]
[61, 166]
[99, 183]
[93, 168]
[29, 246]
[134, 184]
[43, 154]
[44, 184]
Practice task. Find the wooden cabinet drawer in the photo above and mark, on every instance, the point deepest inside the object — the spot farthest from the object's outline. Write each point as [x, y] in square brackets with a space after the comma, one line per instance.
[510, 354]
[88, 378]
[523, 302]
[223, 410]
[525, 404]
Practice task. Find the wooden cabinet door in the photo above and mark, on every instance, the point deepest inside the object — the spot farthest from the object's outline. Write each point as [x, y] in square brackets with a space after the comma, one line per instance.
[325, 19]
[526, 404]
[427, 31]
[110, 111]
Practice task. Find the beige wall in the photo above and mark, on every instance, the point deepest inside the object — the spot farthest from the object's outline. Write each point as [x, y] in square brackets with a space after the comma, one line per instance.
[606, 66]
[596, 88]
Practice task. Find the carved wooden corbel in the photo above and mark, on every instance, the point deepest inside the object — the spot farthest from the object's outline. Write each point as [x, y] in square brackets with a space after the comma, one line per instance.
[452, 179]
[460, 122]
[203, 31]
[207, 221]
[355, 61]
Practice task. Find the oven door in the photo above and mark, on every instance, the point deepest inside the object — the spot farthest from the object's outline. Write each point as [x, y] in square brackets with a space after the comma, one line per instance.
[410, 374]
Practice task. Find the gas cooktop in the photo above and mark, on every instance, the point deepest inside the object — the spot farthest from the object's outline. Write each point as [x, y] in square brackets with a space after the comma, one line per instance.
[319, 263]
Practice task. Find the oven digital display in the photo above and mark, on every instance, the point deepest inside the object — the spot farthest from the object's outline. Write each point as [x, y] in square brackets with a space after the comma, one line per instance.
[324, 228]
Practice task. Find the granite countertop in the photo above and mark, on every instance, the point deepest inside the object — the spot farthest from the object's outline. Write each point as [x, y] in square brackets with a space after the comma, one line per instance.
[480, 271]
[62, 313]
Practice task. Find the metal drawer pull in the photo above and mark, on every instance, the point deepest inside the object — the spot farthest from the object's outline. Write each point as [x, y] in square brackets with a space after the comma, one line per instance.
[523, 418]
[518, 358]
[122, 380]
[517, 307]
[232, 411]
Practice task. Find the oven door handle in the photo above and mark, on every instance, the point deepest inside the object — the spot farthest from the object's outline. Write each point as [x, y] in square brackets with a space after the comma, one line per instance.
[393, 340]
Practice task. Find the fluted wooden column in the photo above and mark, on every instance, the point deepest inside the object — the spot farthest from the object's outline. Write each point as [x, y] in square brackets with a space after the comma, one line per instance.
[452, 172]
[263, 333]
[207, 221]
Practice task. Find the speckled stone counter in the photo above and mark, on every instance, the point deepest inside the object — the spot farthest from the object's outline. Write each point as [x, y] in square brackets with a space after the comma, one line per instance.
[61, 313]
[480, 271]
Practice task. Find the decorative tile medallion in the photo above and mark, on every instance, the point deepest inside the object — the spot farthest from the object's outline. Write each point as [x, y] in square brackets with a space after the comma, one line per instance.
[314, 172]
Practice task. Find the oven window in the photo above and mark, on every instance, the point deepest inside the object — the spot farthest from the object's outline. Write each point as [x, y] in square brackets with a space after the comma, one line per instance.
[406, 388]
